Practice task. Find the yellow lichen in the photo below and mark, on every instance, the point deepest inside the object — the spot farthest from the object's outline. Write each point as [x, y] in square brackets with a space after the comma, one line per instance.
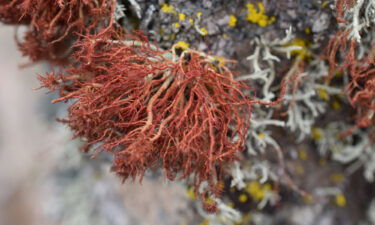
[208, 201]
[323, 94]
[232, 21]
[181, 16]
[338, 74]
[204, 222]
[324, 4]
[302, 154]
[262, 136]
[340, 200]
[336, 105]
[307, 30]
[257, 191]
[303, 52]
[316, 133]
[258, 16]
[308, 199]
[220, 60]
[191, 194]
[243, 198]
[176, 25]
[182, 45]
[336, 178]
[168, 8]
[203, 31]
[172, 37]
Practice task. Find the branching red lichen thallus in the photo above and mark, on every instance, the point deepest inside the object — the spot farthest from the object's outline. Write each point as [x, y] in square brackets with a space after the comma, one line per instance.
[53, 25]
[342, 55]
[152, 108]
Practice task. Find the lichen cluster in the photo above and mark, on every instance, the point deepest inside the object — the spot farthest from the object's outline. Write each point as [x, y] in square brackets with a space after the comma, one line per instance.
[251, 105]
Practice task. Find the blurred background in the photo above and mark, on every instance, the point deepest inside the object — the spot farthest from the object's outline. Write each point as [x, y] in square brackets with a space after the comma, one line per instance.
[45, 180]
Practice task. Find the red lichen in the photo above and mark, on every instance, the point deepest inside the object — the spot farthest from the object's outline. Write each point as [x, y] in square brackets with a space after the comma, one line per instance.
[54, 24]
[186, 115]
[13, 12]
[361, 90]
[342, 56]
[342, 6]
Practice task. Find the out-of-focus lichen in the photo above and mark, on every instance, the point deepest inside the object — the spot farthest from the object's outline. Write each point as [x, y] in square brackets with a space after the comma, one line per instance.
[256, 14]
[232, 21]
